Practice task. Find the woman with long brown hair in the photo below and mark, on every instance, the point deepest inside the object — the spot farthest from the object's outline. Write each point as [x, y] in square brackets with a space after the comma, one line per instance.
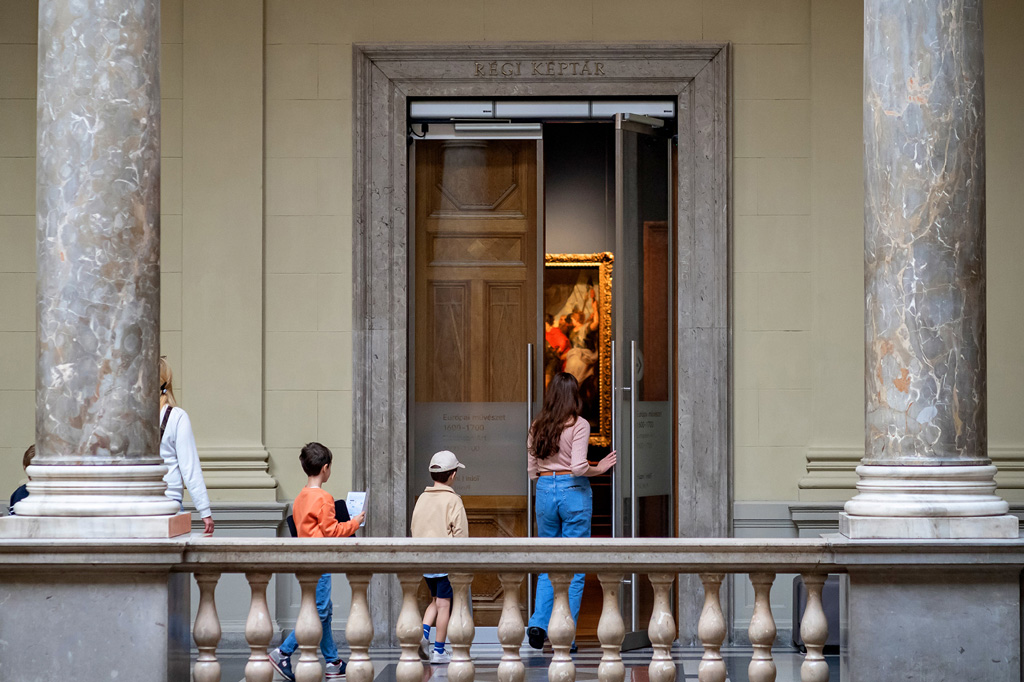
[557, 460]
[178, 450]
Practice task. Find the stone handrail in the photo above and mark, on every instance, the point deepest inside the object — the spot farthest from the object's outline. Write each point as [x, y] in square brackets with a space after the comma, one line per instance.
[661, 560]
[194, 554]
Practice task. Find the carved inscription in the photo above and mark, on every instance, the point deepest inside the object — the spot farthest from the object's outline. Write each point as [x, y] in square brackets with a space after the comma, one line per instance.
[498, 69]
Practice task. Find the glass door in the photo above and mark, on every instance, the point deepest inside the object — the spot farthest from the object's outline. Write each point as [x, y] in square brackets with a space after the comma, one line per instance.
[474, 198]
[642, 354]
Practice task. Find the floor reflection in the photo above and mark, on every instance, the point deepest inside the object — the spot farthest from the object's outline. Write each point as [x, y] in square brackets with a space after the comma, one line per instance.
[487, 656]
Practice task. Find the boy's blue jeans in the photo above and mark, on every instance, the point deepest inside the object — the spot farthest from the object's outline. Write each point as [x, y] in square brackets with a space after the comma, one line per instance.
[326, 609]
[565, 505]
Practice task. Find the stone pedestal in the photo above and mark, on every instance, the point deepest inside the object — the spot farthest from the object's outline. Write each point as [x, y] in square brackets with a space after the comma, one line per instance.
[97, 627]
[111, 527]
[916, 626]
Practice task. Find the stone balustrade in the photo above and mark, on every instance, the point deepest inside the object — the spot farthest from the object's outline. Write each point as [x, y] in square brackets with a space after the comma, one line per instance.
[660, 560]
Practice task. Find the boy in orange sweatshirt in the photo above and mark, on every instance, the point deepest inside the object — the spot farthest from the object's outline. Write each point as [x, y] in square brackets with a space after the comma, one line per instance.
[313, 512]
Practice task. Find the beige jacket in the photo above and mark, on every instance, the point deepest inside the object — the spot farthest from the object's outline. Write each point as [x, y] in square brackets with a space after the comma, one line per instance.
[439, 513]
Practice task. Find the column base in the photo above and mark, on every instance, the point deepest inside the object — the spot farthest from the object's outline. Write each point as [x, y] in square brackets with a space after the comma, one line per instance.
[1004, 527]
[97, 490]
[105, 527]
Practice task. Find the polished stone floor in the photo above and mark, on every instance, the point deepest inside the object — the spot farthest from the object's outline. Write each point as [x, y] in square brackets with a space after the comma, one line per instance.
[486, 657]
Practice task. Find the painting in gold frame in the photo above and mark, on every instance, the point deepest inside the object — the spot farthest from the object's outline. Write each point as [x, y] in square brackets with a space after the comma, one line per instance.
[578, 331]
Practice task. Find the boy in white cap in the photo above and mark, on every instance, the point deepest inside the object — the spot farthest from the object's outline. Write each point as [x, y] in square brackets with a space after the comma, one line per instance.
[439, 513]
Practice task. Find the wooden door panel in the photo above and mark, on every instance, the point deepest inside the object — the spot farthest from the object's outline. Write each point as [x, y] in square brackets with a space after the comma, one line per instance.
[477, 177]
[448, 342]
[506, 356]
[447, 249]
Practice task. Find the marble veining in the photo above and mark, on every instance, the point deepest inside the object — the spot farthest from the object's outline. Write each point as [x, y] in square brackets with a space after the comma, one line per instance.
[924, 244]
[98, 207]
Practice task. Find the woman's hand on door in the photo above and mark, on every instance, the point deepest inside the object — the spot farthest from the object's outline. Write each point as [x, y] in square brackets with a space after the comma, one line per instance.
[607, 462]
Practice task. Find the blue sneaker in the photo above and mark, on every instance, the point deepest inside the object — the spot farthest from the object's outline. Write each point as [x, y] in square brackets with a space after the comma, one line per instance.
[282, 664]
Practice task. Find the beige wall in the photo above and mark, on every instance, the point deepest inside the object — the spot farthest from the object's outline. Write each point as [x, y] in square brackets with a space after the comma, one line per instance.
[17, 237]
[797, 212]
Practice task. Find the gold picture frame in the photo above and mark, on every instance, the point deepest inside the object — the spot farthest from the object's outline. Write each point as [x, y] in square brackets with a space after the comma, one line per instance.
[577, 302]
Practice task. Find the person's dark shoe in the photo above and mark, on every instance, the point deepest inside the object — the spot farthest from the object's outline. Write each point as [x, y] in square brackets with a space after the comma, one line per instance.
[536, 636]
[335, 670]
[573, 649]
[282, 664]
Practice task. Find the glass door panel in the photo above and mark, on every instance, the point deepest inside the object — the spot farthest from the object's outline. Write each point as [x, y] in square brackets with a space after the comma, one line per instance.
[474, 283]
[642, 356]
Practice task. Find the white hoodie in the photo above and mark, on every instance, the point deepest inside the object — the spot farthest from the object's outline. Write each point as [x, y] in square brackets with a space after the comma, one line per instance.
[178, 449]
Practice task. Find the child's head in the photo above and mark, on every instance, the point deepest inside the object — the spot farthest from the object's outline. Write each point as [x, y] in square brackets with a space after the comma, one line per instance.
[314, 457]
[443, 466]
[26, 459]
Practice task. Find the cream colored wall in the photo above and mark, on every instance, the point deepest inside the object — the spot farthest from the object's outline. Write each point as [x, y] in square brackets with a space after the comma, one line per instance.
[797, 213]
[17, 237]
[1004, 101]
[308, 228]
[172, 90]
[309, 41]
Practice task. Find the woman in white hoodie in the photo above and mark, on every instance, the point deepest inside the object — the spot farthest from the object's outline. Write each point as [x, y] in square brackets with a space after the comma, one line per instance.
[178, 449]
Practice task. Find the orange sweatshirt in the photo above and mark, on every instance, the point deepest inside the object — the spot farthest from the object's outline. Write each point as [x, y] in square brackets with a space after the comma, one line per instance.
[313, 512]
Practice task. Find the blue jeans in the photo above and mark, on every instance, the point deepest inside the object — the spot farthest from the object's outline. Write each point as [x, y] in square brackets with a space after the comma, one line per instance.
[326, 609]
[565, 505]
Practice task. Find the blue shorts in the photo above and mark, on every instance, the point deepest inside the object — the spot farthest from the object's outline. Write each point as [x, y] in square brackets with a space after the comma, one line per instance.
[439, 587]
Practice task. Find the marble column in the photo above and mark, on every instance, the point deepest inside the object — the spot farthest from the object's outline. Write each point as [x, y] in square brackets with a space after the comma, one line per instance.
[926, 471]
[98, 254]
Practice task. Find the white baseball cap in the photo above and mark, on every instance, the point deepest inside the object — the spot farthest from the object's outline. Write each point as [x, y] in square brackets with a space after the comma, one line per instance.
[445, 461]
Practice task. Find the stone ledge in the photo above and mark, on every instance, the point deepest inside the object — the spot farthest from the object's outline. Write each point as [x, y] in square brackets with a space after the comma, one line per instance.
[95, 527]
[1003, 527]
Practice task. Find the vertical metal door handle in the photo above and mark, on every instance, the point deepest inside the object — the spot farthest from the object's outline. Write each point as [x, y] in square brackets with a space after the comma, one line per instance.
[632, 477]
[615, 443]
[529, 424]
[529, 483]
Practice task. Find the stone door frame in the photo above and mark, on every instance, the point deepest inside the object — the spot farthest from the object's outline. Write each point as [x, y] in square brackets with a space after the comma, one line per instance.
[385, 76]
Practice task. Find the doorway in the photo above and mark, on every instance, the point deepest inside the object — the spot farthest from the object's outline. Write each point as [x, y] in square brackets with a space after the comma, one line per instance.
[544, 246]
[386, 78]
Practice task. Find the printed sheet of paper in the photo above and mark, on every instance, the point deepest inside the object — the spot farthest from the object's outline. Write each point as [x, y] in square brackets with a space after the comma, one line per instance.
[355, 502]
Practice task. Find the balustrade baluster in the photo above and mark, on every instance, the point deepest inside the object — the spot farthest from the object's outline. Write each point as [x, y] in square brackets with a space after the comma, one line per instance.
[461, 629]
[711, 630]
[814, 631]
[662, 630]
[359, 631]
[308, 631]
[762, 629]
[207, 630]
[258, 630]
[511, 630]
[611, 630]
[409, 630]
[561, 630]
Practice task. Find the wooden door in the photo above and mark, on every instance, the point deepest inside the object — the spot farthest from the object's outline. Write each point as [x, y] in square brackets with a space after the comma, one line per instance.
[475, 294]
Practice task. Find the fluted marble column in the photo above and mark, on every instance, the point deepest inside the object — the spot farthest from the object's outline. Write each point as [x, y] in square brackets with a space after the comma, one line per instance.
[98, 253]
[926, 471]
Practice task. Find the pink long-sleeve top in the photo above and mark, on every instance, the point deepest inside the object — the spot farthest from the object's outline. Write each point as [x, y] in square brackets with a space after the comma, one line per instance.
[571, 455]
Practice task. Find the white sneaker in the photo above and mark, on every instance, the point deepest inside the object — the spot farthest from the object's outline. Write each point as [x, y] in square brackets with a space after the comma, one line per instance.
[425, 649]
[440, 657]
